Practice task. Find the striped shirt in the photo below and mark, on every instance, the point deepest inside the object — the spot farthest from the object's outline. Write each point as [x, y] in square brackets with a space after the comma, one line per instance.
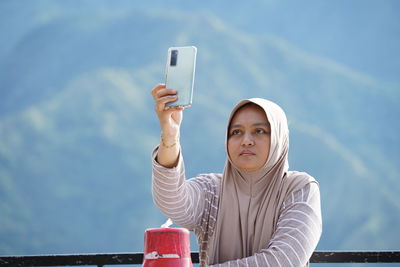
[193, 204]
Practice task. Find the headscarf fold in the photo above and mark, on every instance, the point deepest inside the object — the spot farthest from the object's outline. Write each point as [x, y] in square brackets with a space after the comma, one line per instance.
[250, 202]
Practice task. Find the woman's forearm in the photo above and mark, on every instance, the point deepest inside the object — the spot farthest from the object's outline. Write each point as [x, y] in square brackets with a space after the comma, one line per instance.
[179, 199]
[168, 152]
[170, 119]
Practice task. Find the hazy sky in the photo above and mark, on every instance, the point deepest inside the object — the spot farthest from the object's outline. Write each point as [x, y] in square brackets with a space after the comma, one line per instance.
[362, 34]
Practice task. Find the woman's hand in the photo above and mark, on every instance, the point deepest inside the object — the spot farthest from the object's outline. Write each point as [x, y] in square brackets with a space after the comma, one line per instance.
[170, 119]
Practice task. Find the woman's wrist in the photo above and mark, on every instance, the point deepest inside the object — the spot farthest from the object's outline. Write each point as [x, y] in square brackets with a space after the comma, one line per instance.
[168, 153]
[169, 141]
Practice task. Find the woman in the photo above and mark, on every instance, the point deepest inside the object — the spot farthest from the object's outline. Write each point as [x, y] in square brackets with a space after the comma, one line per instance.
[256, 213]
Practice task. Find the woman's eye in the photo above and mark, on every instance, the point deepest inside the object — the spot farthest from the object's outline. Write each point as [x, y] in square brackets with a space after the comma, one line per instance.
[260, 131]
[235, 132]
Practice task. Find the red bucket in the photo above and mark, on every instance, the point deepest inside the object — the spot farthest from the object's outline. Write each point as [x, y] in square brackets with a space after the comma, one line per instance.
[167, 247]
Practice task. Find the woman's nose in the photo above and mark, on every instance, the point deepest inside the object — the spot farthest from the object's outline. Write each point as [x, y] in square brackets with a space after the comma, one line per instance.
[247, 140]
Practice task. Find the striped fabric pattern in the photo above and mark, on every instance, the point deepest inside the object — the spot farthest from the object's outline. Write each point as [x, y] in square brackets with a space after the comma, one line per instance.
[193, 204]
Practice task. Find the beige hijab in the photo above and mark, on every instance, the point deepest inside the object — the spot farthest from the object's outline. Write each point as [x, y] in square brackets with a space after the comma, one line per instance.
[250, 202]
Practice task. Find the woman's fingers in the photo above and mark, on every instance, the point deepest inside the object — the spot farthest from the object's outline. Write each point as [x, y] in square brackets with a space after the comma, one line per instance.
[156, 89]
[160, 91]
[170, 118]
[165, 92]
[162, 96]
[162, 101]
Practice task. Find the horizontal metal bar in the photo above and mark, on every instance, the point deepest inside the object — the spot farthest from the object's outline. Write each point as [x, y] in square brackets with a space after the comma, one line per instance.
[137, 258]
[355, 256]
[72, 259]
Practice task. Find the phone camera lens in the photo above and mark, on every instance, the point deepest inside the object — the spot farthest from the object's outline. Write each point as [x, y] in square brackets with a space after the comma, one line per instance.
[174, 57]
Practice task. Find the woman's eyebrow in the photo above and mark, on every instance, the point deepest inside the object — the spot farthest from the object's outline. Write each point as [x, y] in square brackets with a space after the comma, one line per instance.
[255, 124]
[261, 124]
[235, 126]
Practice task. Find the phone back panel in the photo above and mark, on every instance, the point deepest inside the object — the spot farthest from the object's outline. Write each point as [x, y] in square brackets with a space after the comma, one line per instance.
[179, 74]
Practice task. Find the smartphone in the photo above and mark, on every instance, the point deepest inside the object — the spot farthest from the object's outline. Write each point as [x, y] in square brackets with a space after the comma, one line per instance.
[179, 74]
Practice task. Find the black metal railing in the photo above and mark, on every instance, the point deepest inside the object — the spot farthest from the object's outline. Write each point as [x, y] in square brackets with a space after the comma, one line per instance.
[137, 258]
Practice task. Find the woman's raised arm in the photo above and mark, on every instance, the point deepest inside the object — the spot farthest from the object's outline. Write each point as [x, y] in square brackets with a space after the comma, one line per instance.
[170, 120]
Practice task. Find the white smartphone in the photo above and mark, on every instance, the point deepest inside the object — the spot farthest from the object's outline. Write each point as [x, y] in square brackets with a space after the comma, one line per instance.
[179, 74]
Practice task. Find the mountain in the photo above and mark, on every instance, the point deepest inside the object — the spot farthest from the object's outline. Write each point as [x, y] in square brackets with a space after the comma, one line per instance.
[77, 127]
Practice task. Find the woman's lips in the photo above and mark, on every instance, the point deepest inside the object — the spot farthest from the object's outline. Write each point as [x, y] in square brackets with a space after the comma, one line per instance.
[247, 153]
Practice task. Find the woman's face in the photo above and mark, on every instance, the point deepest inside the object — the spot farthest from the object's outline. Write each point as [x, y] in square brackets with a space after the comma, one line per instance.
[249, 138]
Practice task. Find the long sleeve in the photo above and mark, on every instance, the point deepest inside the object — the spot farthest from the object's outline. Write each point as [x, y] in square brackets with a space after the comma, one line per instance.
[184, 201]
[298, 231]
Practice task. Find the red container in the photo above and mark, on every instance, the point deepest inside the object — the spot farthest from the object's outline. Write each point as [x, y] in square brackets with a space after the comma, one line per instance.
[167, 247]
